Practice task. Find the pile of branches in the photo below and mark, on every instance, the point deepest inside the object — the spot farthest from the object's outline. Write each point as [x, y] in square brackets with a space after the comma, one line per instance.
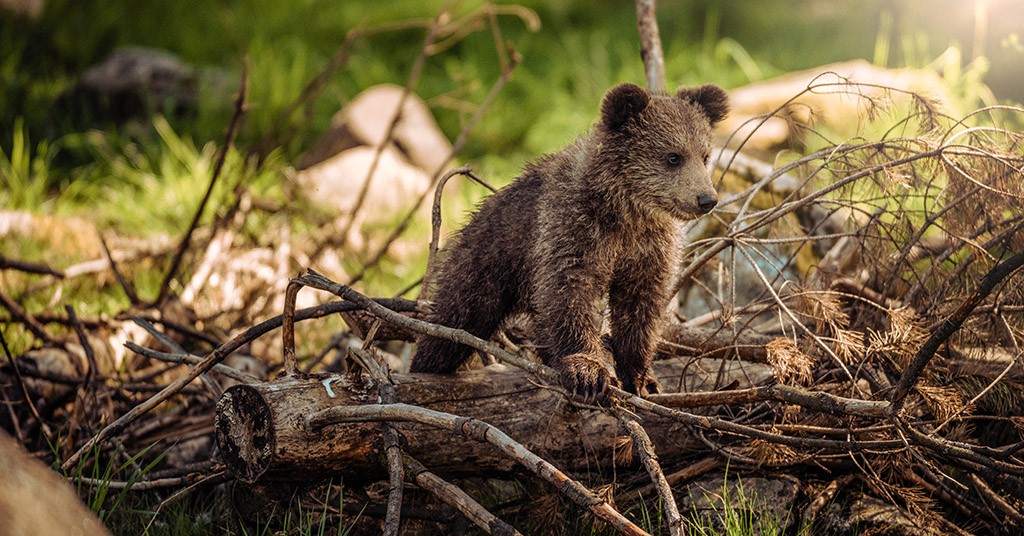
[878, 281]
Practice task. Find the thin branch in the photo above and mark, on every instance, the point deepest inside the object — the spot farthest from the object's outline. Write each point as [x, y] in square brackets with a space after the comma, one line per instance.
[379, 310]
[435, 223]
[645, 449]
[83, 339]
[392, 438]
[189, 359]
[458, 499]
[816, 400]
[396, 480]
[129, 289]
[229, 138]
[24, 391]
[26, 318]
[291, 293]
[28, 267]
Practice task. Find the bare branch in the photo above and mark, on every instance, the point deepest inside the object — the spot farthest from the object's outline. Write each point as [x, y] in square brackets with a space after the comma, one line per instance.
[458, 499]
[645, 449]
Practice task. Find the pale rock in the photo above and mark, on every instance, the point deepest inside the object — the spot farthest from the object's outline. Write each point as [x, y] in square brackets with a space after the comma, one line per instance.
[366, 119]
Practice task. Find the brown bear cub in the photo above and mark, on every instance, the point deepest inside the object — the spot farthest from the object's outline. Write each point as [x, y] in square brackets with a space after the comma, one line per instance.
[595, 221]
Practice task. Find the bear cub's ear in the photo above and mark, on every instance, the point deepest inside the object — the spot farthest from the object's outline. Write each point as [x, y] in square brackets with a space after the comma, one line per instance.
[622, 103]
[711, 98]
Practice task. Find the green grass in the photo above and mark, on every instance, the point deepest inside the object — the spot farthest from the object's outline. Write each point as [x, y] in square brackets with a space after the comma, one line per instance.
[737, 512]
[205, 512]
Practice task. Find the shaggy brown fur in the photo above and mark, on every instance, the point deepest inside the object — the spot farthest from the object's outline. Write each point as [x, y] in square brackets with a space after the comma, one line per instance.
[596, 220]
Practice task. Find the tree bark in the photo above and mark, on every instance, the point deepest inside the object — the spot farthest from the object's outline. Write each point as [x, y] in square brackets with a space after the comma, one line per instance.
[262, 434]
[650, 44]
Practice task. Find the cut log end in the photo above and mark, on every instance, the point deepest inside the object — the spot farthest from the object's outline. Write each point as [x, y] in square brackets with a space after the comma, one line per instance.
[245, 433]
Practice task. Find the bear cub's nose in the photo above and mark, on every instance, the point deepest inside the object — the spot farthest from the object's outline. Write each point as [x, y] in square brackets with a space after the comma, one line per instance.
[706, 202]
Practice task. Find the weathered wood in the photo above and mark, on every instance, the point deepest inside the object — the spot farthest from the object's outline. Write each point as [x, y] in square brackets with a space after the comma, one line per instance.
[262, 435]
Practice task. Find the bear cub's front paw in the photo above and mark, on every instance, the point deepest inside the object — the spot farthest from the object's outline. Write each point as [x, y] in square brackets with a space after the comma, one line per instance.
[586, 375]
[641, 384]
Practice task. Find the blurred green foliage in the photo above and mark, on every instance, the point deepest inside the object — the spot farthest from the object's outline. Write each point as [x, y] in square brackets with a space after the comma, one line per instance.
[581, 49]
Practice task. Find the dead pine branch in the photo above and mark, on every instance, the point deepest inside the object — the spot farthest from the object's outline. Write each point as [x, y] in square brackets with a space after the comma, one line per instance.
[949, 326]
[392, 441]
[189, 359]
[379, 310]
[24, 391]
[396, 481]
[7, 263]
[435, 223]
[126, 286]
[26, 318]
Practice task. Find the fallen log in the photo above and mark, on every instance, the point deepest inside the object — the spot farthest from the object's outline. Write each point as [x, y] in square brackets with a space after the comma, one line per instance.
[262, 430]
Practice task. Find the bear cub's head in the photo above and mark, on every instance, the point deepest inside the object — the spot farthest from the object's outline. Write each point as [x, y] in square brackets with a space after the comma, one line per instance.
[659, 145]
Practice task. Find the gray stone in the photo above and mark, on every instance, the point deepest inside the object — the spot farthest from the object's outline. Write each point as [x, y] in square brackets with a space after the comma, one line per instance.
[134, 83]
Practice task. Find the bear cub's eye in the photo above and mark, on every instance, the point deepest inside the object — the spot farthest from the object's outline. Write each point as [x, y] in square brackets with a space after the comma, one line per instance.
[674, 159]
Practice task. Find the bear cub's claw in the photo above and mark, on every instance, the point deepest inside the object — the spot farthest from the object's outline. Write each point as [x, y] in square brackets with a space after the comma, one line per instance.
[643, 385]
[586, 376]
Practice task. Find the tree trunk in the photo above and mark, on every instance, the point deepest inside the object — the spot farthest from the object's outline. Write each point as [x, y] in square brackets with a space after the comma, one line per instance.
[261, 431]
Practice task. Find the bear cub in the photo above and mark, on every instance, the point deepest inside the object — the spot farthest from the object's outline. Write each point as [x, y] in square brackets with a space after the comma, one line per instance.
[596, 221]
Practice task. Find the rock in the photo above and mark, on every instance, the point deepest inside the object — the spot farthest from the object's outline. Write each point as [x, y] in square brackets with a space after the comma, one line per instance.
[334, 170]
[35, 501]
[365, 121]
[134, 83]
[335, 184]
[834, 105]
